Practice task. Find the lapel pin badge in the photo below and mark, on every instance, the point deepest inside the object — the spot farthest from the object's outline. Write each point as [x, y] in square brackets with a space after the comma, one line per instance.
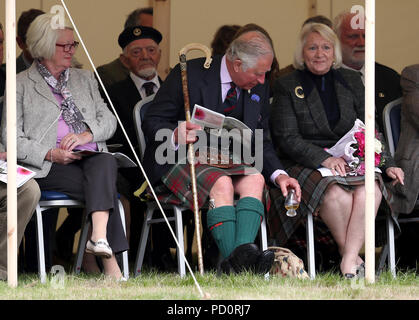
[299, 92]
[381, 95]
[255, 98]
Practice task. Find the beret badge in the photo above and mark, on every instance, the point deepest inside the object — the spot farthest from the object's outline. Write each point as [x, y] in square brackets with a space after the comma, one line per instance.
[136, 32]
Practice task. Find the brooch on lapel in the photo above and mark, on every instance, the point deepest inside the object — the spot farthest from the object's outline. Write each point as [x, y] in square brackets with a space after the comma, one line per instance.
[255, 97]
[381, 95]
[299, 92]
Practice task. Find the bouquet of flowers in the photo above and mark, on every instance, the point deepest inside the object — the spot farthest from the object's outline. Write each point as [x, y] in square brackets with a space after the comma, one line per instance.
[351, 147]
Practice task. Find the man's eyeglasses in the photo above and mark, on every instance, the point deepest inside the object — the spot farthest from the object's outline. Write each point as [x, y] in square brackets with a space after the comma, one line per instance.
[68, 47]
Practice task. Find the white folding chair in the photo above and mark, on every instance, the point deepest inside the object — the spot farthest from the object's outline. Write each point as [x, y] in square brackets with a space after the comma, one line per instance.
[152, 207]
[52, 199]
[311, 265]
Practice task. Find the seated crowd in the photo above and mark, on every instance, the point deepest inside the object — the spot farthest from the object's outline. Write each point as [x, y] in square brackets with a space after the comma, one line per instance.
[301, 111]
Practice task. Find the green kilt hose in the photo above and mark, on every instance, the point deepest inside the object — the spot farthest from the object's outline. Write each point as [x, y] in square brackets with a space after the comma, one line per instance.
[313, 187]
[176, 188]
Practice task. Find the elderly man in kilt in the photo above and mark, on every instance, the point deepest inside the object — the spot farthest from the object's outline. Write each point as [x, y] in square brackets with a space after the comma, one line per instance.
[235, 86]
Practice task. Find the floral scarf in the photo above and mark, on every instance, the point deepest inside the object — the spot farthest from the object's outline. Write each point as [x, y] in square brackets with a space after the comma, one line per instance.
[70, 113]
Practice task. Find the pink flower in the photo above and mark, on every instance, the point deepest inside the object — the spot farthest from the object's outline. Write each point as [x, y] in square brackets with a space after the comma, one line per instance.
[377, 159]
[360, 138]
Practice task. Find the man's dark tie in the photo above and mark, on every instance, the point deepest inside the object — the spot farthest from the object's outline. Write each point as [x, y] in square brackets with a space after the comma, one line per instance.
[230, 101]
[149, 88]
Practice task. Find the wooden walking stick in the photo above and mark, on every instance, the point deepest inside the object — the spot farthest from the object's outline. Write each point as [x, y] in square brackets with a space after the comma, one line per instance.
[191, 153]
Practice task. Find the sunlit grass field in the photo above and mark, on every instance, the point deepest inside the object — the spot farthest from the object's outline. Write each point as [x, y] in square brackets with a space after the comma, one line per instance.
[165, 286]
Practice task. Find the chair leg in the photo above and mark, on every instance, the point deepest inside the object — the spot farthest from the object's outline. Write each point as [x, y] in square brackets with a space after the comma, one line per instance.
[40, 244]
[179, 236]
[143, 241]
[82, 244]
[264, 240]
[310, 247]
[391, 250]
[383, 257]
[125, 265]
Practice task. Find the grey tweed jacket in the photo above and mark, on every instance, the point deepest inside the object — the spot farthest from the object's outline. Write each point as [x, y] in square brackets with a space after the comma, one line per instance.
[38, 112]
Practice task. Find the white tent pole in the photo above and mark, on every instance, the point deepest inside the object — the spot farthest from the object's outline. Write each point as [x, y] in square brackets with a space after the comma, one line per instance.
[369, 141]
[11, 143]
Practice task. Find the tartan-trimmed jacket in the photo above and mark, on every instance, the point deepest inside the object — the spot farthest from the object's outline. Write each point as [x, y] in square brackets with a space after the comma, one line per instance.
[204, 86]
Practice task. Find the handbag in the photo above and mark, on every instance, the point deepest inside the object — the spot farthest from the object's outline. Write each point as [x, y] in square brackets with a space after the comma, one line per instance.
[287, 264]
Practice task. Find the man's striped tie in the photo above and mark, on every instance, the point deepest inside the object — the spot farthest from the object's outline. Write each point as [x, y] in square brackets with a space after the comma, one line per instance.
[230, 101]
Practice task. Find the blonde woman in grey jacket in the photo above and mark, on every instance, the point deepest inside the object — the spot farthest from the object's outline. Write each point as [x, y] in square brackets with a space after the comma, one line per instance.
[59, 110]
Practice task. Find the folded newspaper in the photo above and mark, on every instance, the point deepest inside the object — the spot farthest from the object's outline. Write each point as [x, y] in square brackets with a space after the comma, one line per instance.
[123, 160]
[207, 118]
[22, 176]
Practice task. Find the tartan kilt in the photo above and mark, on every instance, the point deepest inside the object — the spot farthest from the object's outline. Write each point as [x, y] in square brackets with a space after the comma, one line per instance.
[313, 188]
[177, 186]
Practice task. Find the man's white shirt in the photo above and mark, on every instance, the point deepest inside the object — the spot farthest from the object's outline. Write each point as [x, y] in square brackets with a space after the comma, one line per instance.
[140, 81]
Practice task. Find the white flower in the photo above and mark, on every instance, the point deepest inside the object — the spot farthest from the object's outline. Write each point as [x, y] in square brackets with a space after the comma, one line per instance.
[378, 147]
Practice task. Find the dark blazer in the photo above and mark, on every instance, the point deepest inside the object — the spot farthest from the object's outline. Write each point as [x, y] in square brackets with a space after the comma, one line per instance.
[299, 126]
[387, 89]
[407, 152]
[124, 96]
[204, 89]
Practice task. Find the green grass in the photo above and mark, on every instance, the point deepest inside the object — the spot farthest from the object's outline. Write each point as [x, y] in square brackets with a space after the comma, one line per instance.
[161, 286]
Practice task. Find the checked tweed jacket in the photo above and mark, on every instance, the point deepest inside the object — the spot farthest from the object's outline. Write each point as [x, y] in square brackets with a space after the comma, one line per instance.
[299, 125]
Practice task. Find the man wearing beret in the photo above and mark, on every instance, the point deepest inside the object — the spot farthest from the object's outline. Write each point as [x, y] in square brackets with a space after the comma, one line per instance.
[116, 71]
[141, 54]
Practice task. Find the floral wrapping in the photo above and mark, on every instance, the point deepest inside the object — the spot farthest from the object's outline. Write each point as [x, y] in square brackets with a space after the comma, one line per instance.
[351, 147]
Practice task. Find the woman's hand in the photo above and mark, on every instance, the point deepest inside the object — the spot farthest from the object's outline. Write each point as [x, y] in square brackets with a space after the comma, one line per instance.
[336, 165]
[186, 133]
[62, 156]
[3, 156]
[72, 140]
[396, 174]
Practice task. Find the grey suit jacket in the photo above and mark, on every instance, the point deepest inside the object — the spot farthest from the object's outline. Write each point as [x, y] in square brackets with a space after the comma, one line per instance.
[38, 112]
[407, 152]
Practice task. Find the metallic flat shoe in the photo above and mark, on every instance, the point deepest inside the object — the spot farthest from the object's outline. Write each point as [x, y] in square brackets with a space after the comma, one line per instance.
[99, 248]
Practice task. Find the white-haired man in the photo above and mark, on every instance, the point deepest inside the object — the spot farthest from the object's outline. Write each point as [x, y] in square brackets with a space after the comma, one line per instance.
[235, 86]
[387, 81]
